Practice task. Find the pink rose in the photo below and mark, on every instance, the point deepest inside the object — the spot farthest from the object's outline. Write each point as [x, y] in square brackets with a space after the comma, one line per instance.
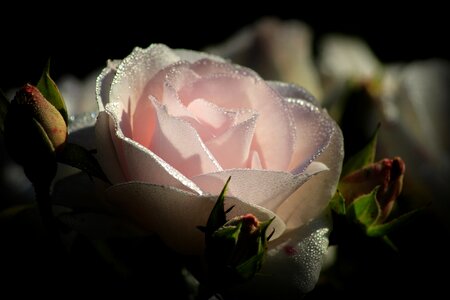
[175, 124]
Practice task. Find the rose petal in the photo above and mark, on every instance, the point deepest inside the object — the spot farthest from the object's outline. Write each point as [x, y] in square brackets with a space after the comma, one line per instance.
[313, 196]
[164, 85]
[106, 153]
[232, 148]
[135, 71]
[193, 56]
[213, 118]
[91, 215]
[161, 88]
[179, 144]
[292, 265]
[243, 91]
[143, 123]
[261, 187]
[168, 212]
[256, 161]
[314, 129]
[178, 76]
[206, 67]
[290, 90]
[103, 83]
[137, 162]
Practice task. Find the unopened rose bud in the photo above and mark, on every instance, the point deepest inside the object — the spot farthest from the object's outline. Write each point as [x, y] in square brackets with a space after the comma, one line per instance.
[34, 132]
[236, 250]
[51, 120]
[387, 174]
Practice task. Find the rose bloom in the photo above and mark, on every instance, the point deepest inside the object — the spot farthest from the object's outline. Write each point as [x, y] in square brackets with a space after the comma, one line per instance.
[175, 124]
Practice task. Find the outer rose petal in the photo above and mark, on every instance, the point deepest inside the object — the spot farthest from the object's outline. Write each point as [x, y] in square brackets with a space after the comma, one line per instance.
[103, 84]
[292, 265]
[193, 56]
[134, 72]
[169, 212]
[314, 129]
[313, 196]
[106, 153]
[261, 187]
[290, 90]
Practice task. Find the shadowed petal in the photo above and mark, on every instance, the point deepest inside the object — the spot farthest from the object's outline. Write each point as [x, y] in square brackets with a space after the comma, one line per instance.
[292, 265]
[313, 196]
[168, 212]
[261, 187]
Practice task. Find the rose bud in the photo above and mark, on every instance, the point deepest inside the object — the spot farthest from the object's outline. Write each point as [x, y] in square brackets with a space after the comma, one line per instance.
[386, 173]
[34, 132]
[235, 251]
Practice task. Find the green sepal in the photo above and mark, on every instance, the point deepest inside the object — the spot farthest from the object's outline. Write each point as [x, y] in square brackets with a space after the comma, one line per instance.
[4, 105]
[228, 232]
[50, 91]
[263, 229]
[365, 209]
[337, 203]
[13, 211]
[80, 158]
[364, 157]
[379, 230]
[217, 218]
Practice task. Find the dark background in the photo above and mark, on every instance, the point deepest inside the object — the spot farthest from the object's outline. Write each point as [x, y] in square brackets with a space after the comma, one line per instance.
[80, 38]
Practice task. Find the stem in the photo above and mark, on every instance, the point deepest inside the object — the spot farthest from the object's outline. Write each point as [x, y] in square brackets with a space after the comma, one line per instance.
[44, 202]
[205, 293]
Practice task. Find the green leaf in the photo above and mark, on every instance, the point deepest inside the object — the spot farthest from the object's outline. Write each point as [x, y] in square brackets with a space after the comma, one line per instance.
[217, 218]
[4, 104]
[364, 157]
[50, 91]
[365, 209]
[379, 230]
[337, 203]
[389, 243]
[15, 210]
[80, 158]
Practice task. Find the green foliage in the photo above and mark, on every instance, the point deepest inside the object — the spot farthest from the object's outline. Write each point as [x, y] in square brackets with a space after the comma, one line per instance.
[365, 209]
[50, 91]
[364, 157]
